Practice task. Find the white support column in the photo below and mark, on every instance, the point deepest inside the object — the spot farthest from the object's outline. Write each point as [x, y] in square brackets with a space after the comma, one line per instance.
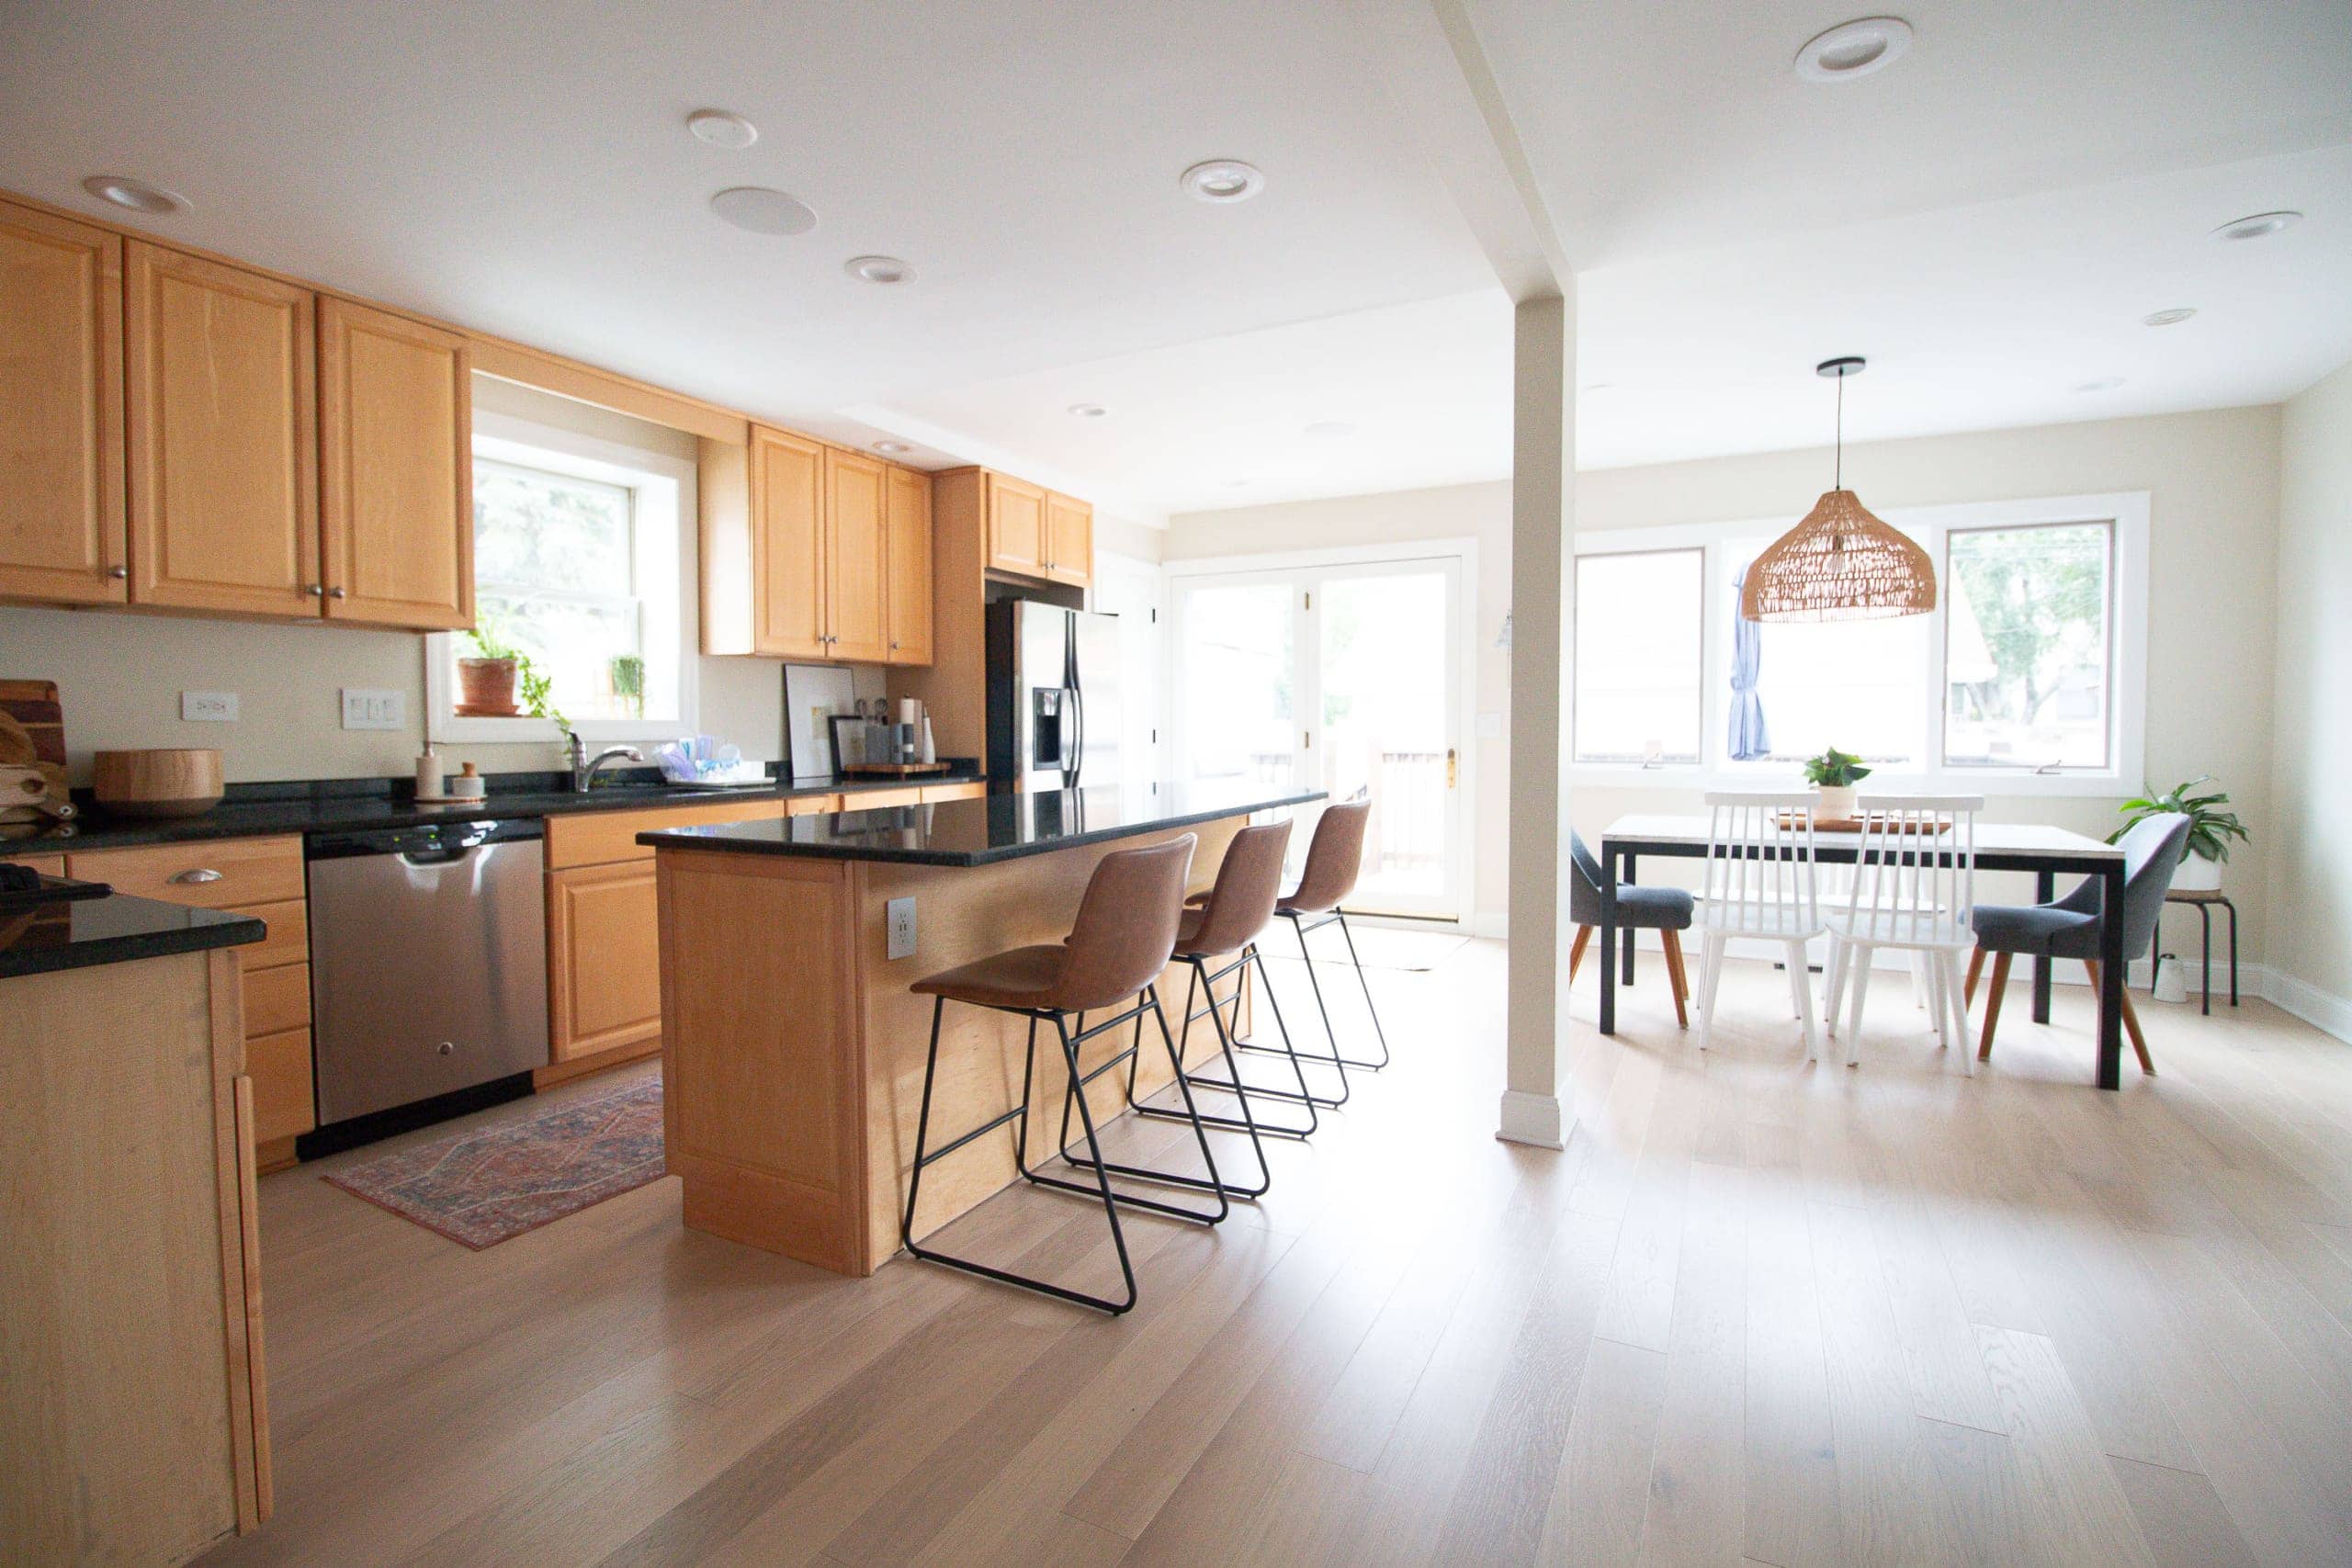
[1543, 503]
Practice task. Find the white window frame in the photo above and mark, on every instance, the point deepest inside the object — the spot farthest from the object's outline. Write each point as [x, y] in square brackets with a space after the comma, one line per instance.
[1707, 651]
[665, 508]
[1929, 526]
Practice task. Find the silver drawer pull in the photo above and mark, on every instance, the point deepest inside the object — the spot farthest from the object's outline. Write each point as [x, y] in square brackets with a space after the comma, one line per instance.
[200, 874]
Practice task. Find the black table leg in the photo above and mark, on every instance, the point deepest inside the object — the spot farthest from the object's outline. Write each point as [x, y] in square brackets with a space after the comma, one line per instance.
[2205, 937]
[1631, 874]
[2111, 977]
[2232, 908]
[1609, 859]
[2045, 884]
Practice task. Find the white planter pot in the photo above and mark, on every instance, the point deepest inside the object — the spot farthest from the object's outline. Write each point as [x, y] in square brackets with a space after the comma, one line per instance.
[2198, 874]
[1837, 804]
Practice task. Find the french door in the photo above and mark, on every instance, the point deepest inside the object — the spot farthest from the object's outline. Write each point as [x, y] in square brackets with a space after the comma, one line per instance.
[1344, 676]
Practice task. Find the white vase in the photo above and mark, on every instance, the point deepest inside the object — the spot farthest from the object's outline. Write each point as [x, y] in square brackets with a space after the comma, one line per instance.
[1837, 804]
[2198, 874]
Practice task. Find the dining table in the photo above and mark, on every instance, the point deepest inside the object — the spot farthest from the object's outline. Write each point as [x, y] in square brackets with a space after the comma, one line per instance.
[2046, 851]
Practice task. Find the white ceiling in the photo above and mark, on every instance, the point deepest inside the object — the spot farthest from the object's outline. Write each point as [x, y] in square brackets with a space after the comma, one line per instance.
[1987, 219]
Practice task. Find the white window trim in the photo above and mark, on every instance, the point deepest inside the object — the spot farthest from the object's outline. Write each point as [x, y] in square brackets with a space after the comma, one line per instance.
[2125, 775]
[671, 605]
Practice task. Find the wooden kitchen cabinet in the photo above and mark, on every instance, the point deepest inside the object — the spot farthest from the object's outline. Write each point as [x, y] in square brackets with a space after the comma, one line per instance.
[1016, 523]
[787, 545]
[604, 959]
[61, 538]
[908, 507]
[1069, 540]
[222, 421]
[857, 582]
[396, 517]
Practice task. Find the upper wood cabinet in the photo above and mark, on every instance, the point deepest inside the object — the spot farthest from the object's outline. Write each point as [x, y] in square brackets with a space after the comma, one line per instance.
[787, 540]
[1069, 540]
[857, 582]
[908, 506]
[1017, 513]
[396, 469]
[60, 419]
[222, 419]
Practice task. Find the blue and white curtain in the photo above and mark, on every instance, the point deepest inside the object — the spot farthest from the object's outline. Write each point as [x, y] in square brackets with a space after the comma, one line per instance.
[1749, 738]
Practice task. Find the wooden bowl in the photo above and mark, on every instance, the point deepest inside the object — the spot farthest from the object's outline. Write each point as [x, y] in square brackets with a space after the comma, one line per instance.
[163, 783]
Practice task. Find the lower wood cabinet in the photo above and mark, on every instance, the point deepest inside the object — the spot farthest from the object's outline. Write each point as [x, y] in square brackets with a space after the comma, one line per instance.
[604, 959]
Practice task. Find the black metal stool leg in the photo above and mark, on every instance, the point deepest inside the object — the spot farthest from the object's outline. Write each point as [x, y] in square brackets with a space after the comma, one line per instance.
[1233, 1082]
[1363, 980]
[1337, 1062]
[1076, 1089]
[1247, 1123]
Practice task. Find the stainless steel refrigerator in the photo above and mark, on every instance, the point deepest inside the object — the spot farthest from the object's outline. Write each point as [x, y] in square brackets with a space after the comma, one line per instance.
[1053, 697]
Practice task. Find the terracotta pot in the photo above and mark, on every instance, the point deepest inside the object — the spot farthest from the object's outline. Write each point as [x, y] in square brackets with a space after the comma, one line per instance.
[486, 688]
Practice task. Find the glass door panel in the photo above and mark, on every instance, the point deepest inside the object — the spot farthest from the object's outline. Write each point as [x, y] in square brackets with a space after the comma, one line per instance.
[1237, 654]
[1388, 679]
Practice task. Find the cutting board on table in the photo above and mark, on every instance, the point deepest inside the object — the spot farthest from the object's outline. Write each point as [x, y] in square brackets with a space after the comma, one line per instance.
[32, 735]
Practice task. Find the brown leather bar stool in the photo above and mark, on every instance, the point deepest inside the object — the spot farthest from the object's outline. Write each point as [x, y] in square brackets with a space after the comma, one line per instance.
[1334, 859]
[1121, 941]
[1225, 926]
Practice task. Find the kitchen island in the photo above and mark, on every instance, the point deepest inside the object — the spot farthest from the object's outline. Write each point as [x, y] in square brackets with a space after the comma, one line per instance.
[792, 1058]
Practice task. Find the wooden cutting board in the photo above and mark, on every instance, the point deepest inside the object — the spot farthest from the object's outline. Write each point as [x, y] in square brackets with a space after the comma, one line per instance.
[32, 734]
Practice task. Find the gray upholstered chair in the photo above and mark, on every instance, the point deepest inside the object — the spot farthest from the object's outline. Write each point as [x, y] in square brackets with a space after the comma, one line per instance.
[1665, 911]
[2069, 927]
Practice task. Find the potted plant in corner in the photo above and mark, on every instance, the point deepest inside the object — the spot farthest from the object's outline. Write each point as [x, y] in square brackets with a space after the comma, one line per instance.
[1835, 773]
[2209, 831]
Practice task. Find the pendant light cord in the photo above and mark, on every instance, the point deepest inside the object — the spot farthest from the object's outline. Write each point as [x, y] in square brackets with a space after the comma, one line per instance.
[1842, 430]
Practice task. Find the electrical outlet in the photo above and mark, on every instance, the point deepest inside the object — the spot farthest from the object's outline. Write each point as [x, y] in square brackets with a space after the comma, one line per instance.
[901, 914]
[365, 709]
[209, 707]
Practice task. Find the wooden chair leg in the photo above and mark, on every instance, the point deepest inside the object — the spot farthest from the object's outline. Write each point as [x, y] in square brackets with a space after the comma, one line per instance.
[1976, 967]
[2130, 1022]
[1677, 979]
[1575, 951]
[1993, 1001]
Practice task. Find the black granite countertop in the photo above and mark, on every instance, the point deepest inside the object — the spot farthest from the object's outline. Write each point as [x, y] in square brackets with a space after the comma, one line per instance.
[344, 805]
[980, 832]
[112, 930]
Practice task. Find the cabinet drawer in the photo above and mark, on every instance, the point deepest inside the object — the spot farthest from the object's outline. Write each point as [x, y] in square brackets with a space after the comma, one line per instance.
[600, 838]
[47, 865]
[877, 799]
[968, 789]
[289, 940]
[220, 874]
[811, 805]
[279, 1065]
[277, 999]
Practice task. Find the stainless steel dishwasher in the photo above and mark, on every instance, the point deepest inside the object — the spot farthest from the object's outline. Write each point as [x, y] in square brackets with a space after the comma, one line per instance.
[428, 972]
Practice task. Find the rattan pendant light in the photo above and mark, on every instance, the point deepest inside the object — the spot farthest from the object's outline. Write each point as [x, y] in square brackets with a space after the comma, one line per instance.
[1841, 563]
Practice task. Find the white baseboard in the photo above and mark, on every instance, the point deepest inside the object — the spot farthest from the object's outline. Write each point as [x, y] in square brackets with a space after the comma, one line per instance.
[1490, 923]
[2321, 1010]
[1531, 1118]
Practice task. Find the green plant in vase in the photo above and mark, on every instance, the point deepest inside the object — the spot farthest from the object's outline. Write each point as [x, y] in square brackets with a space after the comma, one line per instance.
[1835, 773]
[2209, 829]
[498, 681]
[628, 671]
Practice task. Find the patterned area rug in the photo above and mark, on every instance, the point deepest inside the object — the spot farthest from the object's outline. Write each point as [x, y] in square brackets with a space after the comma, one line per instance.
[484, 1186]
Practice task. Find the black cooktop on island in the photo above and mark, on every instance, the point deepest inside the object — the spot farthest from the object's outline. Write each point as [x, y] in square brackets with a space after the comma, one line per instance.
[996, 827]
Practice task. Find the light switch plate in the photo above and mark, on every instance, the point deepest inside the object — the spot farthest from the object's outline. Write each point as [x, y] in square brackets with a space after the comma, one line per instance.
[209, 707]
[368, 709]
[901, 915]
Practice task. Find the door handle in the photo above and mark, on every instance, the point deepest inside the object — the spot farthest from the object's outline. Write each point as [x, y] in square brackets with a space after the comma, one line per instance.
[1451, 762]
[186, 878]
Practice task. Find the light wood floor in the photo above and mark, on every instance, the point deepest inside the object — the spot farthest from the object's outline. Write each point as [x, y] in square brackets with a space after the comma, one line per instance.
[1757, 1310]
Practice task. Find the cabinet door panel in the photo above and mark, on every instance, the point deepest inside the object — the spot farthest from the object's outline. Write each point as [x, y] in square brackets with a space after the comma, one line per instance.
[857, 584]
[1016, 525]
[396, 469]
[789, 544]
[223, 425]
[1069, 540]
[908, 499]
[604, 959]
[60, 422]
[279, 1065]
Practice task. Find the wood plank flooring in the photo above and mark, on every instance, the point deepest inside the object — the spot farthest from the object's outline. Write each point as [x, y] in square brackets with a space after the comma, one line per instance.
[1756, 1312]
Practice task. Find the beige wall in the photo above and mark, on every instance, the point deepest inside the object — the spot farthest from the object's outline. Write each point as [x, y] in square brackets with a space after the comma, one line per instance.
[2213, 485]
[2310, 867]
[120, 674]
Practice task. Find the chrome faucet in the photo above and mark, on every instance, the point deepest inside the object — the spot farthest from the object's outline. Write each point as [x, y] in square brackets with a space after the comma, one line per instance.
[583, 768]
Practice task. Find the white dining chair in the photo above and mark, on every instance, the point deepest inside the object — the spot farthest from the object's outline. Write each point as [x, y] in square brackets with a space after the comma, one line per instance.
[1758, 883]
[1915, 881]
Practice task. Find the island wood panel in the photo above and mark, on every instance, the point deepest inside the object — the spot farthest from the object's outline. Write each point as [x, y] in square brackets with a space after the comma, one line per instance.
[908, 510]
[396, 469]
[223, 418]
[61, 535]
[130, 1207]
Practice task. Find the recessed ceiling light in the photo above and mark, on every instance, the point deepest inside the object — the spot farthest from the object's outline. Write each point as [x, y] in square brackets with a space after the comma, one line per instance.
[878, 269]
[1329, 430]
[1222, 179]
[892, 447]
[136, 195]
[1088, 410]
[2258, 226]
[723, 130]
[2103, 384]
[763, 211]
[1853, 48]
[2171, 318]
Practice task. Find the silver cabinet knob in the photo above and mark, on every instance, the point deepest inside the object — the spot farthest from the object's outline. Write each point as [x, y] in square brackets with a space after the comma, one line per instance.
[118, 573]
[201, 874]
[448, 1048]
[316, 591]
[334, 593]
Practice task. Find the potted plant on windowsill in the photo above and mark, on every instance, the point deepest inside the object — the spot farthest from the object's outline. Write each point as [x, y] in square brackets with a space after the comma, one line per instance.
[2209, 831]
[498, 681]
[1835, 773]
